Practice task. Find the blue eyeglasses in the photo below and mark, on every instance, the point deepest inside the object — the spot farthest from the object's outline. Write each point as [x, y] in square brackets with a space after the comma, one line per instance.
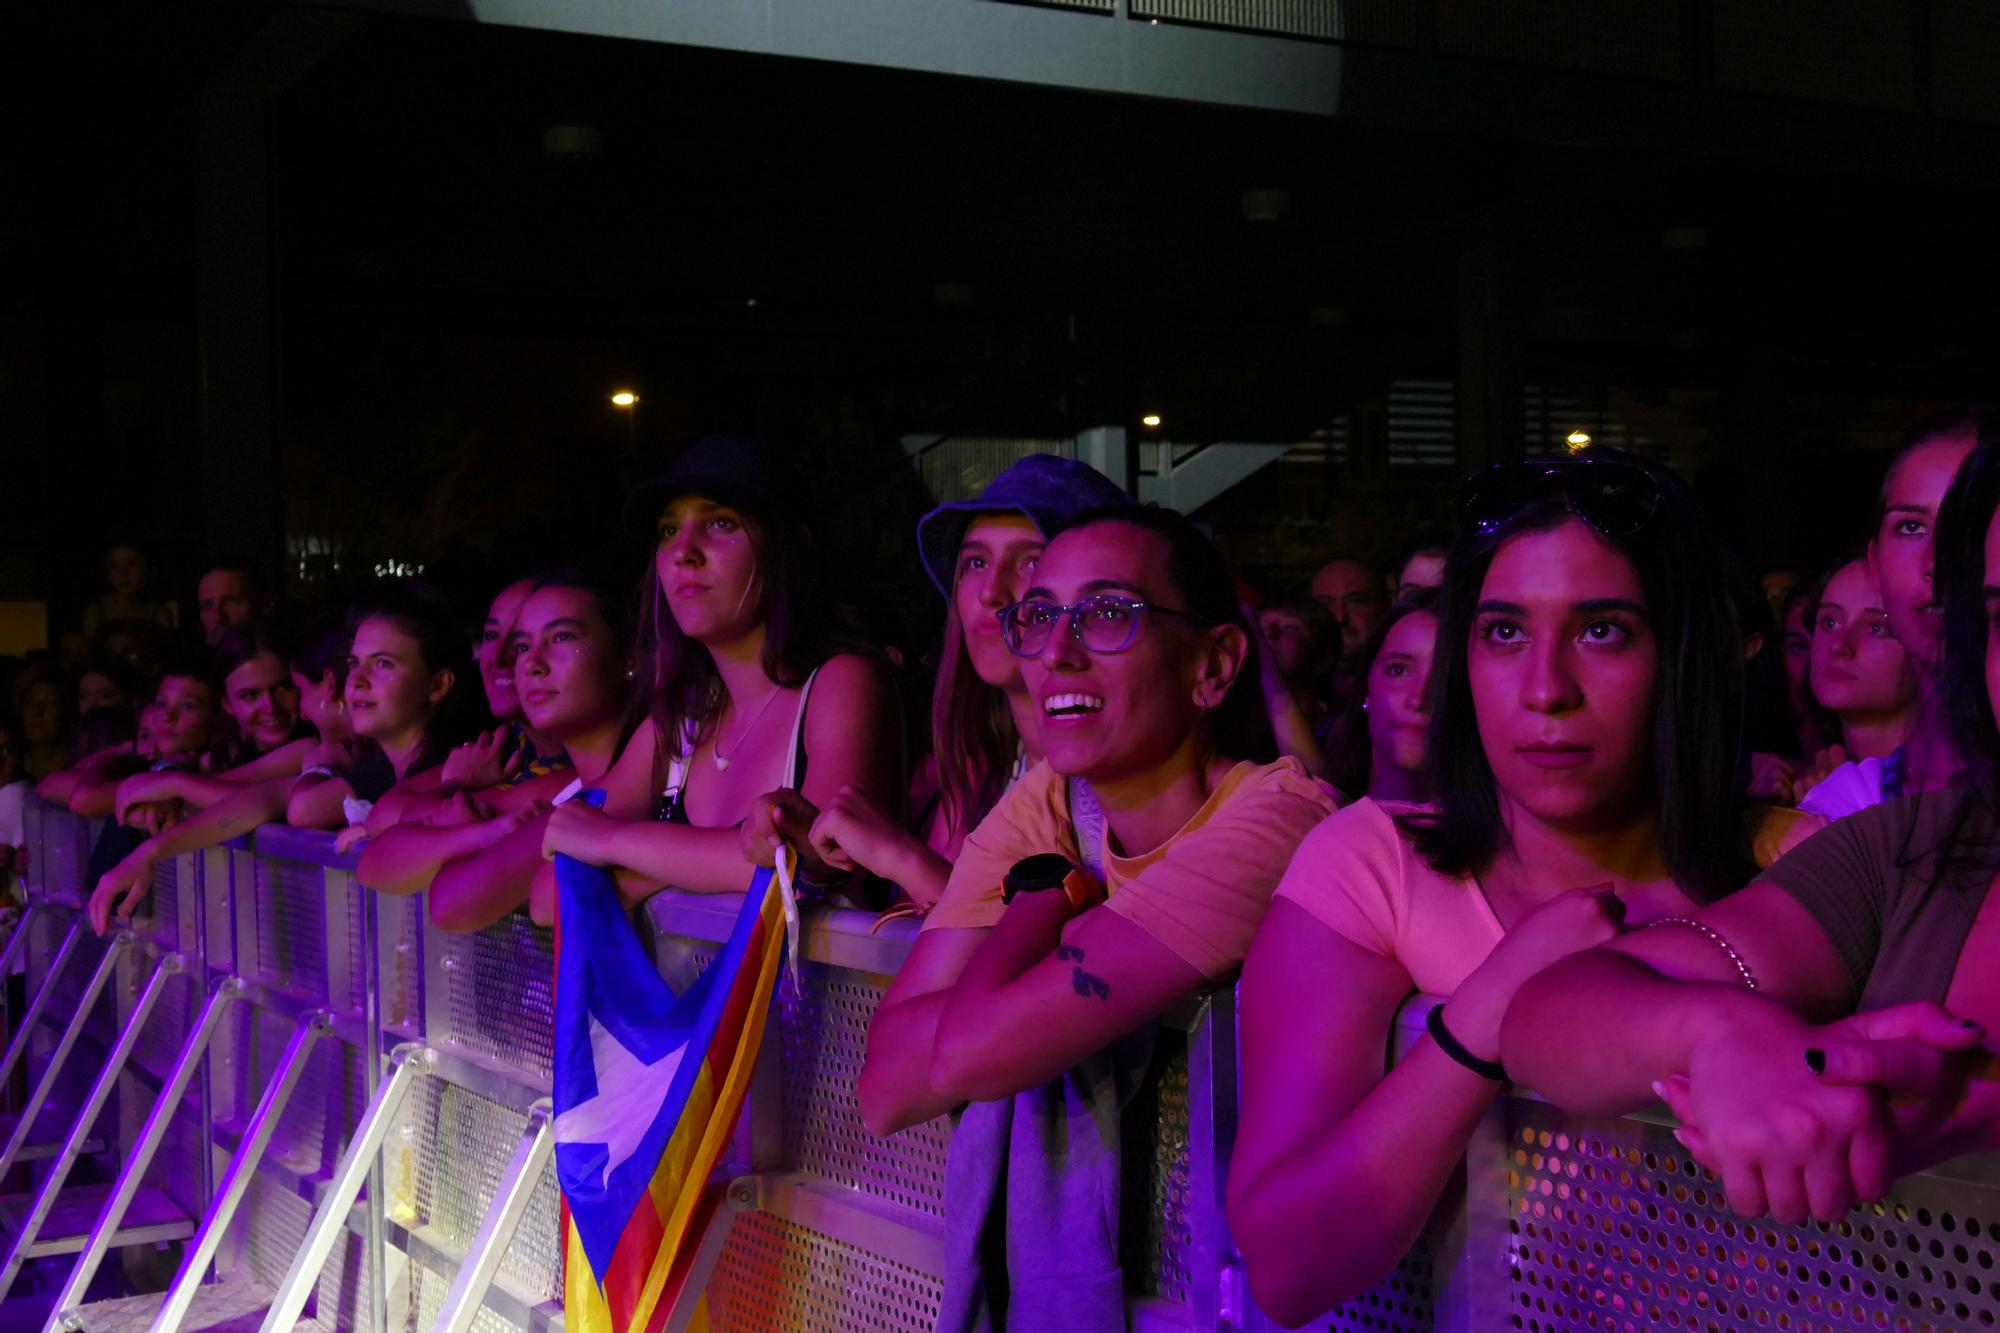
[1102, 624]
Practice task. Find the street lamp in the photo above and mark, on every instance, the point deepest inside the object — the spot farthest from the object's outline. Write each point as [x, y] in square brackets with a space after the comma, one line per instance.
[627, 402]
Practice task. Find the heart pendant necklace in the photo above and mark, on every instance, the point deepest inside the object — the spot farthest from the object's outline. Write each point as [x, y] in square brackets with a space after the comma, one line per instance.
[715, 750]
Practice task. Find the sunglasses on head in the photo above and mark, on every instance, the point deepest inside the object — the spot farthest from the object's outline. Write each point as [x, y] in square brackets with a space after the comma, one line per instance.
[1611, 495]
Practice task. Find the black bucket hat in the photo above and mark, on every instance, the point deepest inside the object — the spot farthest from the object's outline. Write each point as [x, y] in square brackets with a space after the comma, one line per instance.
[741, 471]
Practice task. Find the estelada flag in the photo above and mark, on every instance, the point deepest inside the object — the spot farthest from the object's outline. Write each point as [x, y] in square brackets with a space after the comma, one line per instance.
[647, 1090]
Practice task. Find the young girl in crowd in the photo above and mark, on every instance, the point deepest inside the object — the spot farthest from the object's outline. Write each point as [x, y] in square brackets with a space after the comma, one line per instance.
[1900, 557]
[407, 694]
[183, 722]
[742, 691]
[1589, 692]
[253, 794]
[1737, 1020]
[262, 736]
[1861, 675]
[1383, 736]
[1116, 878]
[569, 655]
[505, 757]
[981, 554]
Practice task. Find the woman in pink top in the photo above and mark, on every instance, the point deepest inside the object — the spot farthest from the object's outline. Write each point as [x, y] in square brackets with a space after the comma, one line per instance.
[1587, 698]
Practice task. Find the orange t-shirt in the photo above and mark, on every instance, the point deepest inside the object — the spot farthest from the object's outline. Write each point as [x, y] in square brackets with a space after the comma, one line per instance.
[1201, 893]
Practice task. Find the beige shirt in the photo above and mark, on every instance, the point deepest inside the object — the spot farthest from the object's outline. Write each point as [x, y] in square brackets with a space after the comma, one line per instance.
[1201, 893]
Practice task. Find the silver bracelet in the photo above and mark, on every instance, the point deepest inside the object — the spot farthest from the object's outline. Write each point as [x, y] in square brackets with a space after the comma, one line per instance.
[1742, 968]
[317, 771]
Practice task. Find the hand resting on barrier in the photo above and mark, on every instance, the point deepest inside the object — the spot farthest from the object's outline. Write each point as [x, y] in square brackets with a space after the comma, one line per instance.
[784, 817]
[854, 833]
[1867, 1099]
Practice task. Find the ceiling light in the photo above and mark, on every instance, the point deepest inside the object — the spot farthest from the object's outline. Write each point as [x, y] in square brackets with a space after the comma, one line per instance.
[1151, 420]
[624, 398]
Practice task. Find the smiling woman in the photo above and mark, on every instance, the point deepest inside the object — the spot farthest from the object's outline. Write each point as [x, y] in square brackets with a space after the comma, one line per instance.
[409, 699]
[1118, 876]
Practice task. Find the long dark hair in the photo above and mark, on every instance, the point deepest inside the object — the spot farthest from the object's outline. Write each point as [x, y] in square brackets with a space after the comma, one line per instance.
[1238, 728]
[684, 690]
[1966, 854]
[1960, 569]
[1352, 759]
[1698, 703]
[421, 612]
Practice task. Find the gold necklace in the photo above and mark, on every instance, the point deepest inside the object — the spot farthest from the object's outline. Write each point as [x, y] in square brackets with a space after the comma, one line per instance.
[715, 750]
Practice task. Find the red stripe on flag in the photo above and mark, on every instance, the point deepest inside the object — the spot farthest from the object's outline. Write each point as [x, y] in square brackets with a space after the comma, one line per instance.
[632, 1262]
[743, 990]
[711, 1198]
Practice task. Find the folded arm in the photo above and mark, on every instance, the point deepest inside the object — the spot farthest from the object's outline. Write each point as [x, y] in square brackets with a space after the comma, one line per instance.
[1654, 993]
[1322, 1121]
[475, 890]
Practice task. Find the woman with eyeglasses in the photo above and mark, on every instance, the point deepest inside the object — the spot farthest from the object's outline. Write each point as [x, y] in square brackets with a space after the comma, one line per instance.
[1587, 696]
[1739, 1025]
[980, 553]
[1122, 874]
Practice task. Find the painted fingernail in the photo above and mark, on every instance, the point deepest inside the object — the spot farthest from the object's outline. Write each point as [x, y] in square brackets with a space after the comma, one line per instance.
[1680, 1137]
[1659, 1089]
[1816, 1059]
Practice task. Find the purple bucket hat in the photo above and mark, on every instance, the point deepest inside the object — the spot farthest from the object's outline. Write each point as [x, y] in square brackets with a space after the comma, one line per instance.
[1050, 492]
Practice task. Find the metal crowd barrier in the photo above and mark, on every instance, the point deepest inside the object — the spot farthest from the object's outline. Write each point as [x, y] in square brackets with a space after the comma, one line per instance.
[317, 1109]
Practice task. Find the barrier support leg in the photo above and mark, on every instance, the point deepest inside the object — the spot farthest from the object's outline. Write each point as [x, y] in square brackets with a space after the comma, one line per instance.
[503, 1215]
[18, 941]
[164, 971]
[330, 1219]
[242, 1166]
[134, 1170]
[740, 1197]
[106, 966]
[18, 1047]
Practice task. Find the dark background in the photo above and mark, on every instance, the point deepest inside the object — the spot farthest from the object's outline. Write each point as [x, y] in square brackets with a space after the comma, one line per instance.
[1765, 288]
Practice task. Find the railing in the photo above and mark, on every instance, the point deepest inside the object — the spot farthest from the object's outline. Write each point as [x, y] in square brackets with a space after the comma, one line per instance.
[326, 1109]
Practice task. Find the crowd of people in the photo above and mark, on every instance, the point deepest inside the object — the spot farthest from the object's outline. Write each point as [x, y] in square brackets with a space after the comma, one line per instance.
[1649, 827]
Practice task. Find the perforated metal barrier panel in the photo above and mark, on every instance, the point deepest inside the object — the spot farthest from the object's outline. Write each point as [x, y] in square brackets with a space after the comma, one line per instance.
[777, 1277]
[1612, 1226]
[823, 1038]
[1558, 1223]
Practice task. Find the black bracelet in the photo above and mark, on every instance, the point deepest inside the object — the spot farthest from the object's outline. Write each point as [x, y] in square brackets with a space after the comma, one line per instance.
[1450, 1046]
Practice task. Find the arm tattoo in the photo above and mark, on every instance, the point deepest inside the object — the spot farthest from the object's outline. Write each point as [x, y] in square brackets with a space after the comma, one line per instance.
[1086, 984]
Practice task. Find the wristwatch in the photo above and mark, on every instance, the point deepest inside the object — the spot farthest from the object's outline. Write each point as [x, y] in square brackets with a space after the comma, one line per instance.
[1053, 870]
